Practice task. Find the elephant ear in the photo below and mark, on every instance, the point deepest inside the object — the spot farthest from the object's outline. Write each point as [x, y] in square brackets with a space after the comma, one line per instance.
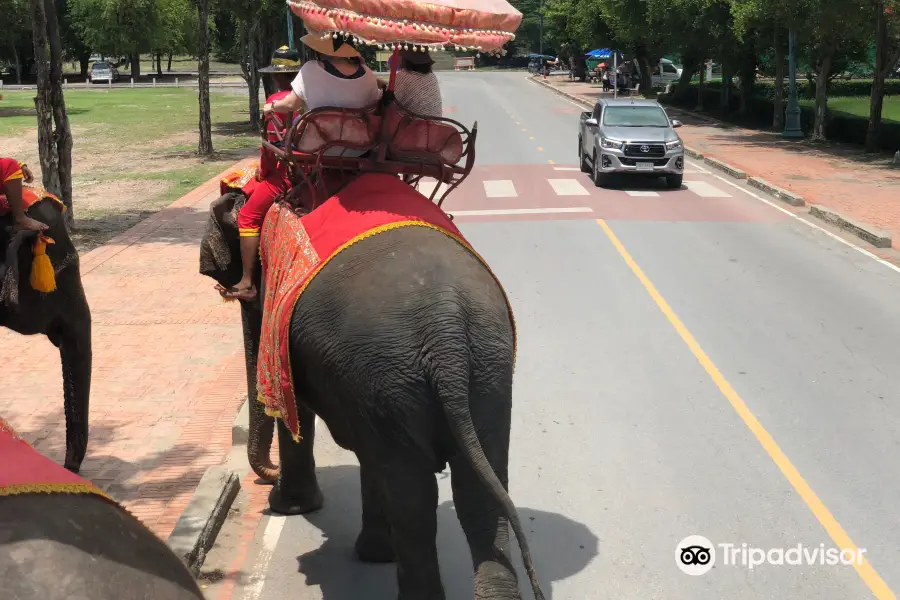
[219, 250]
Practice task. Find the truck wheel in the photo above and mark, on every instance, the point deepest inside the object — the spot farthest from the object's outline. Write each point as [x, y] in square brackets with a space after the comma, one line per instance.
[582, 159]
[598, 176]
[674, 181]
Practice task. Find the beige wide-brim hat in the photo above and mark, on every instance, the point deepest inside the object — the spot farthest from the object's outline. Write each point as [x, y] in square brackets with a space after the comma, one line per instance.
[329, 46]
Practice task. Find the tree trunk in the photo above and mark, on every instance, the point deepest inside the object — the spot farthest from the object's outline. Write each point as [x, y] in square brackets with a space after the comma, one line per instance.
[251, 73]
[877, 98]
[643, 61]
[169, 68]
[725, 91]
[818, 132]
[205, 147]
[84, 61]
[43, 103]
[687, 74]
[778, 100]
[159, 64]
[63, 131]
[18, 64]
[701, 87]
[135, 66]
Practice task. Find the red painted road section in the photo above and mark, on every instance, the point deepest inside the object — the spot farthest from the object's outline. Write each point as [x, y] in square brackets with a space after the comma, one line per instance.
[535, 192]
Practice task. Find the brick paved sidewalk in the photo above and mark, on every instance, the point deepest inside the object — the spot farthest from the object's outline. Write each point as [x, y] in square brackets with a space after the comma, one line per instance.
[168, 367]
[839, 177]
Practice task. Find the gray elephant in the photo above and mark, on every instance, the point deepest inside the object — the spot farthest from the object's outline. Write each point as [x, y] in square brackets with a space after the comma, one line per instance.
[62, 315]
[404, 345]
[62, 540]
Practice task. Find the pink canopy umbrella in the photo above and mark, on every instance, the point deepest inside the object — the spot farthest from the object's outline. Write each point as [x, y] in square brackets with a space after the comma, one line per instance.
[482, 25]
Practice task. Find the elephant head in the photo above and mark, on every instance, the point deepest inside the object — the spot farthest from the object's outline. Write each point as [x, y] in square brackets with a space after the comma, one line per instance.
[62, 315]
[220, 260]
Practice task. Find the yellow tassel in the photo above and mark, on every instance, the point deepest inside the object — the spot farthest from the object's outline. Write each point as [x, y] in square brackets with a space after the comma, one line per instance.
[42, 276]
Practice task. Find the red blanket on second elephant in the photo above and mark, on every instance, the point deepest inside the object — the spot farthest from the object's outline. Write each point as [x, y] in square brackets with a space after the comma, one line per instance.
[24, 470]
[293, 250]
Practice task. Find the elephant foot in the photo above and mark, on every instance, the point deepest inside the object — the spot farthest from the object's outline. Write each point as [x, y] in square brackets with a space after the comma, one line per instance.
[74, 467]
[295, 504]
[374, 546]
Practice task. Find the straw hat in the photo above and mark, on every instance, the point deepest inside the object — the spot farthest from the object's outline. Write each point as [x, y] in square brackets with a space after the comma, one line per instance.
[284, 60]
[329, 45]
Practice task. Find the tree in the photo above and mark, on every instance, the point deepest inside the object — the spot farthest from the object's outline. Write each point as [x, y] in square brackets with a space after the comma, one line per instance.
[54, 144]
[887, 56]
[15, 35]
[205, 146]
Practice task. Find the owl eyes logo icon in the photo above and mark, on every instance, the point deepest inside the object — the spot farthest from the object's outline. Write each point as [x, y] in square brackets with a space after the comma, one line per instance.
[695, 555]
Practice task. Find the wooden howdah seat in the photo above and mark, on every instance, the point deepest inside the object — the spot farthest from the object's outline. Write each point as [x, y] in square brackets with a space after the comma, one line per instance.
[335, 144]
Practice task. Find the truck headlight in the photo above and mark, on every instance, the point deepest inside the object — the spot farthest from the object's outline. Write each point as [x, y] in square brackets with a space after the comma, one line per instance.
[611, 144]
[673, 145]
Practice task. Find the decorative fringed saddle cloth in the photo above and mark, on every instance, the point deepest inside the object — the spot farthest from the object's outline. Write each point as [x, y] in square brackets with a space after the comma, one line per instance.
[240, 180]
[31, 194]
[24, 470]
[294, 249]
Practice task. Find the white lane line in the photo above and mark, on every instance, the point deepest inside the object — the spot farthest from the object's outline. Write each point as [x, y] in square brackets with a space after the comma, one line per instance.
[261, 568]
[566, 168]
[693, 171]
[859, 249]
[519, 211]
[500, 188]
[706, 190]
[642, 193]
[568, 187]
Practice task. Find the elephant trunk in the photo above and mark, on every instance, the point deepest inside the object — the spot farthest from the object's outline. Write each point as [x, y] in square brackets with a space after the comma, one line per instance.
[262, 426]
[76, 357]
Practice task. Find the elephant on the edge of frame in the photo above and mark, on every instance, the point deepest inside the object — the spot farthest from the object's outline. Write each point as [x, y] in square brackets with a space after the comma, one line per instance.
[62, 315]
[404, 345]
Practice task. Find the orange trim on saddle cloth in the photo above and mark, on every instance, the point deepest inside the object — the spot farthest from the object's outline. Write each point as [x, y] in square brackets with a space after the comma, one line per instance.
[31, 195]
[24, 470]
[295, 249]
[239, 179]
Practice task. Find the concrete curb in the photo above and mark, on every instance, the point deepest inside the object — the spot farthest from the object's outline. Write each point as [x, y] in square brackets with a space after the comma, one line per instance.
[724, 166]
[240, 428]
[784, 195]
[196, 530]
[693, 153]
[873, 235]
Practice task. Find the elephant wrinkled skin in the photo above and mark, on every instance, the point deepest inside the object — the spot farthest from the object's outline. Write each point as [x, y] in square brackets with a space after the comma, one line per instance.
[403, 344]
[62, 315]
[82, 547]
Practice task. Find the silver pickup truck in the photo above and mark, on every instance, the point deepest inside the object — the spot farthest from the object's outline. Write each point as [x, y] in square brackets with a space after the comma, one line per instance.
[630, 136]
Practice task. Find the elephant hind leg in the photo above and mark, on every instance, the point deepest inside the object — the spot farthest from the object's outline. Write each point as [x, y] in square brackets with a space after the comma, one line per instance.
[374, 543]
[410, 503]
[486, 529]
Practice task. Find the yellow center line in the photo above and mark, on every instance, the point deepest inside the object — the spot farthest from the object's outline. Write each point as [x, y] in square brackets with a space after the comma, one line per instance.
[866, 571]
[540, 149]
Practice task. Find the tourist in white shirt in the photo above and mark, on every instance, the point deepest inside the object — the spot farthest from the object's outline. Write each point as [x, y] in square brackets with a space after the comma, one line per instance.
[337, 78]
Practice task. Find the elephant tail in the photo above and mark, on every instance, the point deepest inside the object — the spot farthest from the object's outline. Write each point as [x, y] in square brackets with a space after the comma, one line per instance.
[456, 405]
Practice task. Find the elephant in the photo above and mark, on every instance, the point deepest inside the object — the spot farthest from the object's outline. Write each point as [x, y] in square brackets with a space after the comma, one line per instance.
[62, 315]
[409, 362]
[62, 539]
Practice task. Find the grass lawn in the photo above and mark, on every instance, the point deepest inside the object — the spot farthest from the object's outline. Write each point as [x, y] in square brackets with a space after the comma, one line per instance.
[859, 106]
[134, 149]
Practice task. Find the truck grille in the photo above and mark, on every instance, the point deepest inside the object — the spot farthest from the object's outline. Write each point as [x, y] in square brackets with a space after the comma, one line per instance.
[657, 162]
[653, 150]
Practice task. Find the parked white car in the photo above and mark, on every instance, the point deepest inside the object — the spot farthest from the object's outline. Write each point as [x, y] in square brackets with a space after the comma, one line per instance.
[103, 71]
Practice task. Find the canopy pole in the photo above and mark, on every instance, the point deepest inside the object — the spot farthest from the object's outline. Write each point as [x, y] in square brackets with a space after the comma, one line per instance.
[394, 62]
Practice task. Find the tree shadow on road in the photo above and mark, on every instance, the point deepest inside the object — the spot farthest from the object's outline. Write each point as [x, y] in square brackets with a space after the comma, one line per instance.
[560, 547]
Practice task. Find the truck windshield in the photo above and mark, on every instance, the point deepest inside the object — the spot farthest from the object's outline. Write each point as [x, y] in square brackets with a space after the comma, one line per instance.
[100, 66]
[635, 116]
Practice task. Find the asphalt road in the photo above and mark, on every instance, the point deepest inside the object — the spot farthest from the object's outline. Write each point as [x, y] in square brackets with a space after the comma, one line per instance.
[694, 362]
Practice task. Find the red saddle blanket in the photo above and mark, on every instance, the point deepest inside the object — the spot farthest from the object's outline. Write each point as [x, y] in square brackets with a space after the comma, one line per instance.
[31, 194]
[24, 470]
[294, 249]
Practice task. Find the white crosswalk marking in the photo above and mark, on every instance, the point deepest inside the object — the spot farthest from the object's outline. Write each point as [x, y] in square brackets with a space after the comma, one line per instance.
[519, 211]
[642, 193]
[568, 187]
[500, 188]
[706, 190]
[426, 187]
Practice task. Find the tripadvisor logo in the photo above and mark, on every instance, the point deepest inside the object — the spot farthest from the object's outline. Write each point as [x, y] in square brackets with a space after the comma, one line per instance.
[696, 555]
